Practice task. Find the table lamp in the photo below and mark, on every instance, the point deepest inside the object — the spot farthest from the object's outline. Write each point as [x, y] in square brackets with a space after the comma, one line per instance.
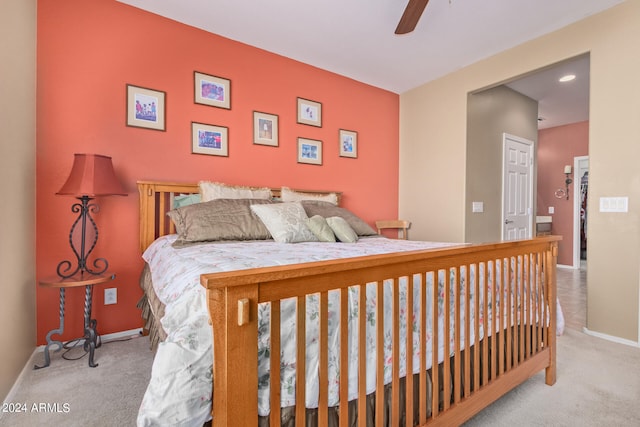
[91, 176]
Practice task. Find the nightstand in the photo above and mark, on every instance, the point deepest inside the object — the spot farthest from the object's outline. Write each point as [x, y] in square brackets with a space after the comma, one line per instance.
[91, 337]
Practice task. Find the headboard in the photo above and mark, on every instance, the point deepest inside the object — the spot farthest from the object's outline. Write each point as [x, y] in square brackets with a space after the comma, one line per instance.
[156, 199]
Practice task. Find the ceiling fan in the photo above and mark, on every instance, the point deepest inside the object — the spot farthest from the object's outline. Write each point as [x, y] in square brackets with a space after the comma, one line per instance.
[411, 16]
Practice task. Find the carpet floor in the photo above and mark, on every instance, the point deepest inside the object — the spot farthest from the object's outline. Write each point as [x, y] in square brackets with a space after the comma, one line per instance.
[70, 393]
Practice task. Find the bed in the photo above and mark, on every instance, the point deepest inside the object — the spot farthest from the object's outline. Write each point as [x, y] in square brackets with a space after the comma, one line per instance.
[494, 306]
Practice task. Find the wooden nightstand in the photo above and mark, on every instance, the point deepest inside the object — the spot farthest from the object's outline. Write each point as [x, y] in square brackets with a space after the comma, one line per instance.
[91, 337]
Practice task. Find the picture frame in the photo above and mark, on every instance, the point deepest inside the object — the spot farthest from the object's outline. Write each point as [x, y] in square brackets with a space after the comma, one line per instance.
[265, 129]
[309, 151]
[212, 90]
[309, 112]
[348, 140]
[209, 139]
[146, 108]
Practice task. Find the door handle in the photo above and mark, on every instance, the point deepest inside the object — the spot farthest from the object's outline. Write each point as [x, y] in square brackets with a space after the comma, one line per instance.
[508, 221]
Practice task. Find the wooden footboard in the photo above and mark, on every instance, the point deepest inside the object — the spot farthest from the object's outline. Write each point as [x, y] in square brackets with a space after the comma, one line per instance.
[509, 344]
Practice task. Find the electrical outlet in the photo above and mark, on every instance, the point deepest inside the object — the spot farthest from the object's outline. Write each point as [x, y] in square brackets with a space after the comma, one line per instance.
[110, 296]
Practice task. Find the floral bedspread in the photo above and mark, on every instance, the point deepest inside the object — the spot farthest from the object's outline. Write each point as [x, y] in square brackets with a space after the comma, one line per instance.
[179, 392]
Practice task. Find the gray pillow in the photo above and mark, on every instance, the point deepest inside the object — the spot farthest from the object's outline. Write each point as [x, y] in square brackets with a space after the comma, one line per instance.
[220, 219]
[326, 210]
[342, 229]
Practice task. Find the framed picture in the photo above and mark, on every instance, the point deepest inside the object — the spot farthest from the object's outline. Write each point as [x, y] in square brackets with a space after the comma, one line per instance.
[309, 151]
[145, 108]
[209, 139]
[348, 143]
[212, 90]
[309, 112]
[265, 129]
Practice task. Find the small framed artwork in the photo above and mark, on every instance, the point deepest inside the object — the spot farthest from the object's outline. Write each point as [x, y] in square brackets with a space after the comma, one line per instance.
[348, 143]
[309, 112]
[265, 129]
[209, 139]
[309, 151]
[212, 90]
[145, 108]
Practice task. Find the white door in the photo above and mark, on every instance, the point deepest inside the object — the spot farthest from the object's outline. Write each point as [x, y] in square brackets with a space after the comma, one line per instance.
[517, 188]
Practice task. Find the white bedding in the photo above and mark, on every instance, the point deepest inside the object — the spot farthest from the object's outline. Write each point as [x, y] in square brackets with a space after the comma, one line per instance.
[179, 392]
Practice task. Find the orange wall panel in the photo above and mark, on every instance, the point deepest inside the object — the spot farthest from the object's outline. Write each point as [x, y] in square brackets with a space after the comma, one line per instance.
[89, 51]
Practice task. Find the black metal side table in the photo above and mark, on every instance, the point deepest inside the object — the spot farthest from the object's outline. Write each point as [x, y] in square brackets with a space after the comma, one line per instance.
[91, 337]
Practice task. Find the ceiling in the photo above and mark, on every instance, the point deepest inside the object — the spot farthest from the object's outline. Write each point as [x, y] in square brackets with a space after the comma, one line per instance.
[558, 103]
[355, 38]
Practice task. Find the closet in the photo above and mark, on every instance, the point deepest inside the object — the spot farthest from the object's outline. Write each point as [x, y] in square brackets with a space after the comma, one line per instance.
[584, 188]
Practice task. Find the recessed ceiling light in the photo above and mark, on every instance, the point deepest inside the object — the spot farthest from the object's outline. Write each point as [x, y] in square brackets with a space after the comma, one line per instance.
[567, 78]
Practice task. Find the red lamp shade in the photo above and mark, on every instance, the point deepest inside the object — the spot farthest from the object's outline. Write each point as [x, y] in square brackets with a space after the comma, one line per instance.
[92, 175]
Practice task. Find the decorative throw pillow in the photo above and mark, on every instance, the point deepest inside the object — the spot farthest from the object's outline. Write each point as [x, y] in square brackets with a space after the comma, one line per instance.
[185, 200]
[216, 190]
[222, 219]
[327, 210]
[319, 227]
[285, 221]
[289, 195]
[342, 229]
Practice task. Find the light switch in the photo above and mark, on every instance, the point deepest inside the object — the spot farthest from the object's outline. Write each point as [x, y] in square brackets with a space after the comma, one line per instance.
[477, 207]
[614, 204]
[552, 210]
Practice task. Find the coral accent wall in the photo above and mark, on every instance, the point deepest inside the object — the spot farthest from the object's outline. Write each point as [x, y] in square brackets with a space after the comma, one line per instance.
[557, 147]
[88, 51]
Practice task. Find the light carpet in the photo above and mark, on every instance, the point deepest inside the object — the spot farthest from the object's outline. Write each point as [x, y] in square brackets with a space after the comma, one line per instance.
[597, 384]
[70, 393]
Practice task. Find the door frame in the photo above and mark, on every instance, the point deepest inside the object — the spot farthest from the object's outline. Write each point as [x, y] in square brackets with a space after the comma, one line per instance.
[531, 144]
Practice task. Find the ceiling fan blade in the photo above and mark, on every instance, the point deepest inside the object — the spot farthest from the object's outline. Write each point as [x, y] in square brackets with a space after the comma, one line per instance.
[411, 16]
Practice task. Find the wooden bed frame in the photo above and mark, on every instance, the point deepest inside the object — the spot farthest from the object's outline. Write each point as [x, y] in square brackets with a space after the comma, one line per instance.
[476, 374]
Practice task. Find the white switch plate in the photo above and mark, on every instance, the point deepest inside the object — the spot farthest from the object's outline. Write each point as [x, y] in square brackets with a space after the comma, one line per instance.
[477, 207]
[110, 296]
[614, 204]
[552, 210]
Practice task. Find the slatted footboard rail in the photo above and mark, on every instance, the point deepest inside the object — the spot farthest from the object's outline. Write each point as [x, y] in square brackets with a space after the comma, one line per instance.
[495, 302]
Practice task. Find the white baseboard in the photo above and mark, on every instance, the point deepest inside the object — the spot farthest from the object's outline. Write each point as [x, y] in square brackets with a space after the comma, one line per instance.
[131, 333]
[611, 338]
[570, 267]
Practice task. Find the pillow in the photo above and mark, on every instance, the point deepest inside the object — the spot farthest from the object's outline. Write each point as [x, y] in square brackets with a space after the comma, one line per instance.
[342, 229]
[327, 210]
[289, 195]
[185, 200]
[285, 221]
[221, 219]
[319, 227]
[216, 190]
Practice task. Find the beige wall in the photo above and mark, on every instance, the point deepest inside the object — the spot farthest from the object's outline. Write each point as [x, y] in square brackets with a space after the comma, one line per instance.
[17, 174]
[490, 114]
[433, 121]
